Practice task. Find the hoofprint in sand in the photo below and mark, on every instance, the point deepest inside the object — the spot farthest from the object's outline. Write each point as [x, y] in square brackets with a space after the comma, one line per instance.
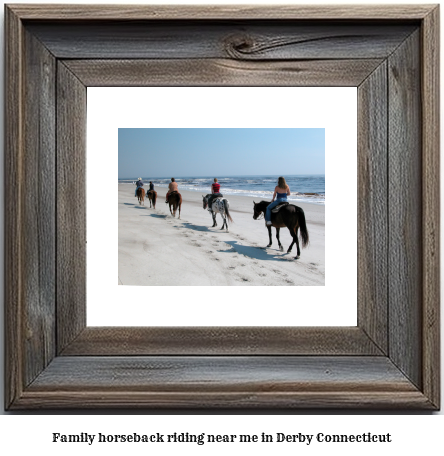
[157, 249]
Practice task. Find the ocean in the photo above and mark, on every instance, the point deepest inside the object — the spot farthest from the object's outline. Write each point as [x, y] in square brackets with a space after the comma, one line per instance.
[304, 188]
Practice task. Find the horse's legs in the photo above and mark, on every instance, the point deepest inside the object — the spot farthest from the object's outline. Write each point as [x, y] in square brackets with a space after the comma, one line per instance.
[224, 221]
[292, 243]
[277, 237]
[269, 236]
[294, 237]
[294, 234]
[180, 205]
[213, 214]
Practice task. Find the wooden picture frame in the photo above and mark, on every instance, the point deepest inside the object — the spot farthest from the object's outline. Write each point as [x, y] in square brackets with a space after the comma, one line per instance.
[390, 360]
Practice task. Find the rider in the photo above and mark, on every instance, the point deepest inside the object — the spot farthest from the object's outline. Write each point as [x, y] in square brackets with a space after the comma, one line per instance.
[139, 184]
[172, 187]
[151, 187]
[215, 192]
[280, 192]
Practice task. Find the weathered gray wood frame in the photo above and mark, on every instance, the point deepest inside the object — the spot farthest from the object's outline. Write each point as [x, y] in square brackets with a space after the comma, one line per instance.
[390, 360]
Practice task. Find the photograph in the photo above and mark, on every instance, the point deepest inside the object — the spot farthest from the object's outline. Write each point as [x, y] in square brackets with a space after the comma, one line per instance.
[79, 77]
[246, 206]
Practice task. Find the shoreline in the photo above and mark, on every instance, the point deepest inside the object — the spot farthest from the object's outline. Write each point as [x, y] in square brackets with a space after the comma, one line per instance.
[310, 188]
[294, 198]
[157, 249]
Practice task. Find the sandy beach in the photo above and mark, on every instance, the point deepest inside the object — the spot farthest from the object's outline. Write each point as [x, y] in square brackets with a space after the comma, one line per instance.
[157, 249]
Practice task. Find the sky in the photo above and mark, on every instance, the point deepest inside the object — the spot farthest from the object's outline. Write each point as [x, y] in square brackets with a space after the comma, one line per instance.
[188, 152]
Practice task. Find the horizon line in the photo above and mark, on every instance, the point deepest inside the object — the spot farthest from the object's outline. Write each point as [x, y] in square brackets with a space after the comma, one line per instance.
[231, 175]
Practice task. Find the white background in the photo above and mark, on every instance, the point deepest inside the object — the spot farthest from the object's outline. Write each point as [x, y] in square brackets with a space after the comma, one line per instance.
[413, 434]
[335, 109]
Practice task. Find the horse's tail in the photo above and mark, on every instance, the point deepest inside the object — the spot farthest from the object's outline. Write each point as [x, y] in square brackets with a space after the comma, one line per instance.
[227, 205]
[302, 226]
[154, 197]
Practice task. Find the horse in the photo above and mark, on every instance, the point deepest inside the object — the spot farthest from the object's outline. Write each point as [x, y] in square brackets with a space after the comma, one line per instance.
[152, 196]
[175, 200]
[141, 195]
[292, 217]
[220, 206]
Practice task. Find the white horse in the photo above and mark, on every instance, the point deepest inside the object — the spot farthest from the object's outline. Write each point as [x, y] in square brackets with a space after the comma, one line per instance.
[219, 206]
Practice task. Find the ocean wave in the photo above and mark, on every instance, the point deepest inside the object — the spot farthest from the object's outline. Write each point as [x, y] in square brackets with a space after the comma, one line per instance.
[303, 188]
[315, 198]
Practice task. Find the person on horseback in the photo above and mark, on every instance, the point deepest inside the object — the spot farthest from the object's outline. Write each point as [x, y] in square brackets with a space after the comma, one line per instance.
[172, 187]
[280, 193]
[139, 184]
[215, 192]
[151, 187]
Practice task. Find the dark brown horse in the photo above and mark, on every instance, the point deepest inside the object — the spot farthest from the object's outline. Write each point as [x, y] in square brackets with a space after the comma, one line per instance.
[292, 217]
[141, 195]
[175, 200]
[152, 196]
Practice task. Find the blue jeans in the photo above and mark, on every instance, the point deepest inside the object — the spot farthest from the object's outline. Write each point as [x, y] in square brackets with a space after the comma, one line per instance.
[271, 206]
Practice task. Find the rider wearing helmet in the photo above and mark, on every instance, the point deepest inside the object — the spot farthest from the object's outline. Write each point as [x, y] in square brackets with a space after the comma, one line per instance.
[139, 184]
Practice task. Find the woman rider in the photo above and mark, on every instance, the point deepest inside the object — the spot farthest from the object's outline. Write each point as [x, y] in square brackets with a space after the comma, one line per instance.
[280, 193]
[215, 192]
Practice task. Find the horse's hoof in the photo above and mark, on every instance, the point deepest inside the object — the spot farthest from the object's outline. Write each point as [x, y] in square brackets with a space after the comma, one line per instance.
[281, 248]
[269, 245]
[297, 257]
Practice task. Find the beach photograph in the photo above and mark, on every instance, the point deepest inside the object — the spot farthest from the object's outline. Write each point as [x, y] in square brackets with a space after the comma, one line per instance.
[213, 229]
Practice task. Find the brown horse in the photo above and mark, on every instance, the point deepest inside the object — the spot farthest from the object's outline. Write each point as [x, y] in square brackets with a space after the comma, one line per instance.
[141, 195]
[292, 217]
[175, 200]
[152, 196]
